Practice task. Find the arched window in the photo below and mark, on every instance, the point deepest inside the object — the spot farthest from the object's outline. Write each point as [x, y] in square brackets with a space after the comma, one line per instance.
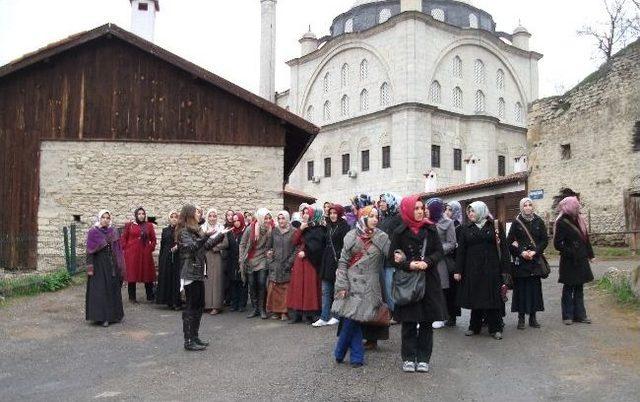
[364, 69]
[479, 74]
[327, 111]
[344, 75]
[438, 14]
[364, 100]
[481, 103]
[456, 67]
[518, 113]
[344, 106]
[502, 105]
[500, 80]
[435, 92]
[385, 94]
[310, 113]
[327, 82]
[457, 98]
[385, 14]
[473, 21]
[348, 26]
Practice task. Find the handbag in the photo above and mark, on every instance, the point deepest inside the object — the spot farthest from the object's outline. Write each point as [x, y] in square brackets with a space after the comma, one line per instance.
[544, 264]
[507, 278]
[409, 286]
[382, 317]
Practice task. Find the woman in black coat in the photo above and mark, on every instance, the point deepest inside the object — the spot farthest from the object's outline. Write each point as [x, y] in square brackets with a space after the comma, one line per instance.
[415, 234]
[571, 239]
[527, 241]
[168, 268]
[238, 290]
[482, 260]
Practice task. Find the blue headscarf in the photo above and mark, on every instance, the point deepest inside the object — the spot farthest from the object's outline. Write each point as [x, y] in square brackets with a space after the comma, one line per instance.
[392, 203]
[361, 200]
[456, 208]
[436, 208]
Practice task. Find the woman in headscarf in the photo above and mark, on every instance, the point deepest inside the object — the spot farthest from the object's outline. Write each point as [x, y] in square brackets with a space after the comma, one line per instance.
[303, 295]
[105, 268]
[228, 219]
[280, 258]
[138, 243]
[358, 294]
[253, 260]
[237, 287]
[336, 230]
[390, 219]
[453, 211]
[571, 239]
[482, 260]
[447, 233]
[168, 269]
[527, 241]
[214, 280]
[192, 246]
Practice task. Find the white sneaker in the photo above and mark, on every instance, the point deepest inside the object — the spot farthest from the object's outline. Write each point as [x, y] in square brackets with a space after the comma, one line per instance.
[423, 367]
[319, 323]
[333, 321]
[409, 367]
[437, 324]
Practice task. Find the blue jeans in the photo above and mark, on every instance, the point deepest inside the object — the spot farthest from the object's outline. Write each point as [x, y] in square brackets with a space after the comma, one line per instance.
[350, 338]
[388, 283]
[327, 299]
[573, 303]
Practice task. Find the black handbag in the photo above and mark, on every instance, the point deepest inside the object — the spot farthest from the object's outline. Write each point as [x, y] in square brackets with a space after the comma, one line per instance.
[545, 268]
[409, 286]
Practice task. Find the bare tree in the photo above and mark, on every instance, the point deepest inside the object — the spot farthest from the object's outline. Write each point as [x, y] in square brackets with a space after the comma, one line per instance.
[622, 25]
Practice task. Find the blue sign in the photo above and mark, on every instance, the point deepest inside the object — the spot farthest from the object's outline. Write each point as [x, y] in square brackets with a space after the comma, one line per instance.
[536, 194]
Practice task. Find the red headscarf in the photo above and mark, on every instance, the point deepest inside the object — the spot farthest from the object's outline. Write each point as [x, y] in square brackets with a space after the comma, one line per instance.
[236, 230]
[407, 207]
[338, 208]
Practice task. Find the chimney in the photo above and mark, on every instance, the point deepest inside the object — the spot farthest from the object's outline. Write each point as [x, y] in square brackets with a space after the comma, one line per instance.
[520, 38]
[410, 5]
[268, 50]
[308, 43]
[520, 164]
[430, 182]
[143, 17]
[472, 170]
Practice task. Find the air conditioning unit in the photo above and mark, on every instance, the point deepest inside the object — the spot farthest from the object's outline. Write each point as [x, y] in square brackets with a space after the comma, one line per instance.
[315, 179]
[353, 174]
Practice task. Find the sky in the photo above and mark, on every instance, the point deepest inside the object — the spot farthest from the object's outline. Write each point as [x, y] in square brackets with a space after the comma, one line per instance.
[224, 36]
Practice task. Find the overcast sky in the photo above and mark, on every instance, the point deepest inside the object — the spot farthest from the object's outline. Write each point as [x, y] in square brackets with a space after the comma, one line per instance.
[223, 36]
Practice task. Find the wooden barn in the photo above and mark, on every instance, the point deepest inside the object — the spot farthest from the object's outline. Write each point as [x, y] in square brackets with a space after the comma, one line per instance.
[106, 119]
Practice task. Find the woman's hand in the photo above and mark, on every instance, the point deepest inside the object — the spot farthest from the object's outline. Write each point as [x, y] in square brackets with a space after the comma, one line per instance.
[270, 254]
[304, 225]
[174, 249]
[301, 254]
[398, 257]
[90, 270]
[341, 294]
[457, 277]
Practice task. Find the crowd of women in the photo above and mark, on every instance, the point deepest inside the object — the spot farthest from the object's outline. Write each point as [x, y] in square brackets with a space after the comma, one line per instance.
[362, 267]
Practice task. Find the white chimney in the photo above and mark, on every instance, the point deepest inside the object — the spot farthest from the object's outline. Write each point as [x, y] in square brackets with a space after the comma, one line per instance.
[143, 17]
[268, 50]
[430, 182]
[308, 43]
[410, 5]
[520, 38]
[472, 170]
[520, 164]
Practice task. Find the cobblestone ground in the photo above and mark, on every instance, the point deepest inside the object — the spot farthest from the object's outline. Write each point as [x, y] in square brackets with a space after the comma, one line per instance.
[48, 352]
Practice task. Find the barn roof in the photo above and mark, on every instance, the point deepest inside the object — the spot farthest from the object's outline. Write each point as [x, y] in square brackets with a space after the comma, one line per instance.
[492, 182]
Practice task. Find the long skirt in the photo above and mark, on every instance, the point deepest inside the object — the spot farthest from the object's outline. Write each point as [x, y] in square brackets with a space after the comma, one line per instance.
[277, 297]
[214, 282]
[527, 295]
[304, 292]
[104, 298]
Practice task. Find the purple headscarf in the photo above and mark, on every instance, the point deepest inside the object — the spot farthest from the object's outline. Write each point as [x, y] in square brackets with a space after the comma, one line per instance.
[436, 208]
[99, 237]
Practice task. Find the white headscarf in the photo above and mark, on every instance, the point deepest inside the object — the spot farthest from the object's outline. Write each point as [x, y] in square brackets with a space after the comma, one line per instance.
[482, 212]
[206, 227]
[102, 212]
[287, 217]
[259, 216]
[523, 201]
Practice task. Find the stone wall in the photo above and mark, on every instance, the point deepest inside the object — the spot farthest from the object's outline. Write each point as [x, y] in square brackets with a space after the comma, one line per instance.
[597, 120]
[80, 178]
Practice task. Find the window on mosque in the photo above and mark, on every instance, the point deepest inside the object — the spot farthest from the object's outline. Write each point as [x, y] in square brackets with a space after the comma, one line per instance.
[457, 159]
[327, 82]
[500, 80]
[518, 113]
[344, 75]
[344, 106]
[565, 151]
[310, 170]
[365, 160]
[435, 156]
[438, 14]
[364, 69]
[473, 21]
[364, 100]
[481, 103]
[501, 165]
[479, 72]
[385, 14]
[435, 92]
[457, 98]
[386, 157]
[636, 137]
[456, 67]
[348, 26]
[501, 108]
[327, 167]
[327, 111]
[310, 113]
[143, 6]
[385, 95]
[346, 163]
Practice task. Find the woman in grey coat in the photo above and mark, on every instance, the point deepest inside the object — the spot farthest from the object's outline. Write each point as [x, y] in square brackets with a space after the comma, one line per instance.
[280, 257]
[253, 260]
[358, 294]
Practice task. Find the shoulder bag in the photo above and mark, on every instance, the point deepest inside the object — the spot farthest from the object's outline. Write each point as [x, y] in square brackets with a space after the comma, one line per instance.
[544, 264]
[409, 286]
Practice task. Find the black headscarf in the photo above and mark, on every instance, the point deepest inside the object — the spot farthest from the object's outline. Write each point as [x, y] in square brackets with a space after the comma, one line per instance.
[144, 236]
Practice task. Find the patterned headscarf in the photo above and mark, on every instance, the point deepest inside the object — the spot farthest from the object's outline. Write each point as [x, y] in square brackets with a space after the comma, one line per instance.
[482, 212]
[362, 226]
[365, 211]
[436, 209]
[361, 200]
[392, 203]
[456, 210]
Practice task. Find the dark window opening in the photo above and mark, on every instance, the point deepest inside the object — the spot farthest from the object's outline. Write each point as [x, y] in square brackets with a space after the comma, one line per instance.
[457, 159]
[636, 137]
[327, 167]
[386, 157]
[346, 163]
[365, 161]
[76, 218]
[435, 156]
[143, 6]
[310, 170]
[501, 165]
[565, 151]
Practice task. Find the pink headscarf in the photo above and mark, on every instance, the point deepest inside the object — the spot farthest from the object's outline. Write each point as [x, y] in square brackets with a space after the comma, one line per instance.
[570, 207]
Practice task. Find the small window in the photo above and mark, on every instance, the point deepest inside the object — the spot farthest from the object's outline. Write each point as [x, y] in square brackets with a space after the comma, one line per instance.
[500, 80]
[348, 26]
[435, 156]
[327, 167]
[346, 163]
[479, 72]
[473, 21]
[143, 6]
[310, 171]
[327, 82]
[364, 100]
[438, 14]
[386, 157]
[435, 92]
[385, 14]
[310, 113]
[344, 75]
[327, 111]
[456, 67]
[636, 137]
[481, 103]
[518, 113]
[457, 98]
[457, 159]
[365, 161]
[385, 94]
[344, 106]
[501, 108]
[501, 165]
[364, 69]
[565, 151]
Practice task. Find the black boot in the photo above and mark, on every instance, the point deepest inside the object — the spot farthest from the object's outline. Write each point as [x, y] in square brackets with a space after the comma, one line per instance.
[253, 295]
[148, 287]
[520, 321]
[533, 323]
[196, 331]
[187, 329]
[131, 288]
[261, 303]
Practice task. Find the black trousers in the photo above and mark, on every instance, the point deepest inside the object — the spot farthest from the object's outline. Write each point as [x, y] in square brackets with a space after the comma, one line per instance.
[417, 343]
[192, 313]
[148, 287]
[450, 296]
[491, 315]
[238, 294]
[258, 289]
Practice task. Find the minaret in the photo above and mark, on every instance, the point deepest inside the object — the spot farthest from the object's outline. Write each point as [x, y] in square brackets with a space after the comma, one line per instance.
[268, 50]
[143, 17]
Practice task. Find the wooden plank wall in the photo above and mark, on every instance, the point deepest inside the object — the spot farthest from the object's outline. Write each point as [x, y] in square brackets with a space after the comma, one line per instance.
[105, 90]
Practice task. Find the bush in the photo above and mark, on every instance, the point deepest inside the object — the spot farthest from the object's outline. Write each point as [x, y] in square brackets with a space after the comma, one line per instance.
[34, 284]
[621, 288]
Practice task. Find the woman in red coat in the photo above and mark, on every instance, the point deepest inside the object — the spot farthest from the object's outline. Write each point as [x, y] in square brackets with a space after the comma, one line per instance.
[138, 242]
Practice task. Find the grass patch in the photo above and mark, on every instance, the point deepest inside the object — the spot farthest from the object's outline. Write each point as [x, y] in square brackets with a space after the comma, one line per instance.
[621, 290]
[600, 252]
[28, 285]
